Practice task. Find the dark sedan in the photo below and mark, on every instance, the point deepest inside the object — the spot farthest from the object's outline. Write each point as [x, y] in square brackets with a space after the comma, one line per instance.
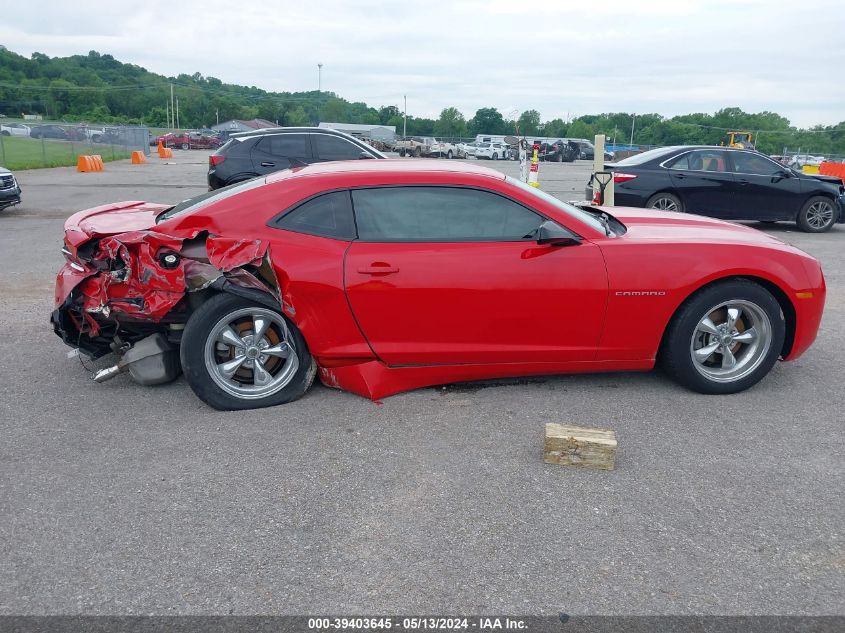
[733, 184]
[49, 131]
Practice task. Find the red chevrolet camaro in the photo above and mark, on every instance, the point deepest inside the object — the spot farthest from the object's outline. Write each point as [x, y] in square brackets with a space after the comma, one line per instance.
[384, 276]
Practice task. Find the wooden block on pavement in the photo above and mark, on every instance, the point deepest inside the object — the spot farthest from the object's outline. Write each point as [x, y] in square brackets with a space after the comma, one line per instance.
[579, 446]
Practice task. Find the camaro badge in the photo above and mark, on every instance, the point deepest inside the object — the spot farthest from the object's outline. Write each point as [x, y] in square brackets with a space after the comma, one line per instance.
[640, 293]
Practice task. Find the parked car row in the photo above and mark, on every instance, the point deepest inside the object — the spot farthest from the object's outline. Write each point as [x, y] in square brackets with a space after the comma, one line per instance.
[427, 146]
[720, 182]
[81, 132]
[496, 148]
[194, 139]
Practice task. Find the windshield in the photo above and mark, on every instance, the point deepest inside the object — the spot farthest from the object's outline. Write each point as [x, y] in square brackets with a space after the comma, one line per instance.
[209, 197]
[575, 212]
[639, 159]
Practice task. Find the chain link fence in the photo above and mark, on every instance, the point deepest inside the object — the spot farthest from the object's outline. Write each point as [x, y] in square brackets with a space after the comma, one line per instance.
[26, 144]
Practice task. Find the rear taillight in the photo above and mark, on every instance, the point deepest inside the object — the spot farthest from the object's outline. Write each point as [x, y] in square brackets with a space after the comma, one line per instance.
[619, 176]
[215, 159]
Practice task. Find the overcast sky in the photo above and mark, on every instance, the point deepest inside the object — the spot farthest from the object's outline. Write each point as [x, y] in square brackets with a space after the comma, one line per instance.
[563, 58]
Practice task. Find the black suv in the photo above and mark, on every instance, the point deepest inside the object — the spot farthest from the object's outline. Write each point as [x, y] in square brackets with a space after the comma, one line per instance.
[250, 154]
[558, 151]
[10, 191]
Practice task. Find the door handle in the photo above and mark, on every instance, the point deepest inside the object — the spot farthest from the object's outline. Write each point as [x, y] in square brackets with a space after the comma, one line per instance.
[266, 164]
[376, 269]
[680, 176]
[742, 182]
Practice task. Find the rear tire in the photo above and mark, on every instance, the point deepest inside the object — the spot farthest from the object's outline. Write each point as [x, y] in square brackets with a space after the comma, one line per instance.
[402, 153]
[230, 370]
[186, 146]
[817, 215]
[495, 156]
[724, 338]
[417, 152]
[449, 155]
[665, 202]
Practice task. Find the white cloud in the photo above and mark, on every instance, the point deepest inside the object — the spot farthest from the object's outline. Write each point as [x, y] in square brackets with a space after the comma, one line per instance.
[553, 55]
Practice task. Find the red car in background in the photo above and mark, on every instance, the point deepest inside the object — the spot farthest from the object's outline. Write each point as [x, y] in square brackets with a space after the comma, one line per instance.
[385, 275]
[188, 140]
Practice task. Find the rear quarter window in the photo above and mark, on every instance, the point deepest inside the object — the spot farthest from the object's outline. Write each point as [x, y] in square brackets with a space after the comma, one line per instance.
[327, 215]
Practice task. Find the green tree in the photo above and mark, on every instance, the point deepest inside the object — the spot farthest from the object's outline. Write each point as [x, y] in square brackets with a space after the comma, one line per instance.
[450, 124]
[334, 111]
[579, 129]
[487, 121]
[386, 113]
[529, 123]
[555, 127]
[296, 117]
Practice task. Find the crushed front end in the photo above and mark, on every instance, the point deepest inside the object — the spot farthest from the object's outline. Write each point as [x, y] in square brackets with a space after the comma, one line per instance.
[130, 293]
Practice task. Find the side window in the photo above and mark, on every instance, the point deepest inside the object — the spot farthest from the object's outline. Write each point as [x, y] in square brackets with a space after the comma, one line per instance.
[440, 214]
[748, 163]
[336, 148]
[707, 160]
[681, 162]
[328, 215]
[285, 145]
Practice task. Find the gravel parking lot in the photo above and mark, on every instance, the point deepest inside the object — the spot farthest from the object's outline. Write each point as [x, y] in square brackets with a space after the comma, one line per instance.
[123, 499]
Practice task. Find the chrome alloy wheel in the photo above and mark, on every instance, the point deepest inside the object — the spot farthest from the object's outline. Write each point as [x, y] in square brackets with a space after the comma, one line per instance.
[250, 353]
[730, 341]
[665, 204]
[820, 214]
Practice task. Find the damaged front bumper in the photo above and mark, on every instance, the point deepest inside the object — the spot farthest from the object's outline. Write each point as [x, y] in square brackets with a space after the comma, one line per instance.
[131, 294]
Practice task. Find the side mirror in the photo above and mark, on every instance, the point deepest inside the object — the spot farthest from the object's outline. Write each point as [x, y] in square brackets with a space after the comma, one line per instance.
[364, 155]
[554, 234]
[780, 175]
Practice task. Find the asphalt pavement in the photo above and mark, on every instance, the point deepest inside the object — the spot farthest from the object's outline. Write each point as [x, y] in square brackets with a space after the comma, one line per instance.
[121, 499]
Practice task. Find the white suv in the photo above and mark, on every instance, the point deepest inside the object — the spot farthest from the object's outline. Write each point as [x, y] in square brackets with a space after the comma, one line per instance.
[492, 151]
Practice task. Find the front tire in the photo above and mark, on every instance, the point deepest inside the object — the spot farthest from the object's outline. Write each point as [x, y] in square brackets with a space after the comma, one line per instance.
[449, 155]
[665, 202]
[237, 354]
[724, 339]
[186, 146]
[817, 215]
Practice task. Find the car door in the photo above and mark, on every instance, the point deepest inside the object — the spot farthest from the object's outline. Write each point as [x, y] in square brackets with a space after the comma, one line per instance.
[763, 189]
[275, 152]
[450, 275]
[331, 147]
[703, 181]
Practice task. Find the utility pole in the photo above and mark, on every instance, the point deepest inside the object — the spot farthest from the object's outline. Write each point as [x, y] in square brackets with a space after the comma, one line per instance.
[177, 112]
[633, 120]
[167, 113]
[320, 77]
[217, 114]
[172, 115]
[405, 119]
